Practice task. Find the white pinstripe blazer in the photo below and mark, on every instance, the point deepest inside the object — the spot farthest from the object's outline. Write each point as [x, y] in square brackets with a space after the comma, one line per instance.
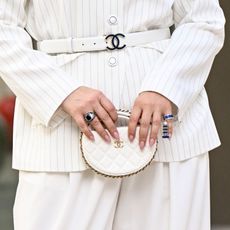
[45, 137]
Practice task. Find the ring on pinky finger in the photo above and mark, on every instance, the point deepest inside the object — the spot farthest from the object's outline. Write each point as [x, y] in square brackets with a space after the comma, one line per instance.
[168, 116]
[165, 130]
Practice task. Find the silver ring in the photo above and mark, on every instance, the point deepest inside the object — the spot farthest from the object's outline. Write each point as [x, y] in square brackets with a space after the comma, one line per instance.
[165, 133]
[168, 117]
[89, 116]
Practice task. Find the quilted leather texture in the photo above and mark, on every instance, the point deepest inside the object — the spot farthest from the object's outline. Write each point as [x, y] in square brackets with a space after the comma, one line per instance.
[117, 158]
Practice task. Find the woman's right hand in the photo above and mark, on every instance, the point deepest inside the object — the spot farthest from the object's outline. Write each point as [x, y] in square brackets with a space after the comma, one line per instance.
[85, 99]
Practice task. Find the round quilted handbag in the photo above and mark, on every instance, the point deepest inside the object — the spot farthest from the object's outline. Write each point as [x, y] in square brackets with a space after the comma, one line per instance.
[119, 158]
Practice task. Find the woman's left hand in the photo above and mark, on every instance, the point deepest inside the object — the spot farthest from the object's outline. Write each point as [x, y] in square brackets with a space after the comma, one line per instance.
[148, 110]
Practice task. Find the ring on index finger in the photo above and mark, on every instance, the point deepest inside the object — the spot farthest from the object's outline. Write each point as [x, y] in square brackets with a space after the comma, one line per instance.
[89, 116]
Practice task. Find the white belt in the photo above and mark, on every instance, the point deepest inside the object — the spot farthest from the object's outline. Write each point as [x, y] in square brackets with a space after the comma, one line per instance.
[109, 42]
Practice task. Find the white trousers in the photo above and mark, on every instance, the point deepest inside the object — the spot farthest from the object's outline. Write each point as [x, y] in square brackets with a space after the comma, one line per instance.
[165, 196]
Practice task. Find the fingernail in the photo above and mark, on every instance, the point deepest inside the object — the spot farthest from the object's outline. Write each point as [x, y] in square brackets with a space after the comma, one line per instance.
[92, 138]
[151, 142]
[131, 137]
[142, 144]
[116, 135]
[107, 138]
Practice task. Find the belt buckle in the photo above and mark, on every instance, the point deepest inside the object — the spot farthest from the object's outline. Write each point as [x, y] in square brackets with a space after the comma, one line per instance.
[115, 41]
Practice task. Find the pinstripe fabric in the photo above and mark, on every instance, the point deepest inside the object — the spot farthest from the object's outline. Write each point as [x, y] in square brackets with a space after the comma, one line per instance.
[45, 137]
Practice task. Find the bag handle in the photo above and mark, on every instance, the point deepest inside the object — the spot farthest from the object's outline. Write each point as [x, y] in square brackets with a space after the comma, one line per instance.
[123, 113]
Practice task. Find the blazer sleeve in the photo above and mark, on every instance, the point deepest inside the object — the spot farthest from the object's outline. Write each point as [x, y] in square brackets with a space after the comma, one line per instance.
[182, 70]
[38, 82]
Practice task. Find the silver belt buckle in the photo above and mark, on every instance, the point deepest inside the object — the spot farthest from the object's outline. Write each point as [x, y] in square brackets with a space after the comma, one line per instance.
[115, 41]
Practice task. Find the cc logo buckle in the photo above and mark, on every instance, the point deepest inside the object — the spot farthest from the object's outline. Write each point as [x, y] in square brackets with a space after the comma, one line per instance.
[115, 41]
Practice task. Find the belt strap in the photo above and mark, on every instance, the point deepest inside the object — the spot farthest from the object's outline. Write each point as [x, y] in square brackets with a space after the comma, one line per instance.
[111, 42]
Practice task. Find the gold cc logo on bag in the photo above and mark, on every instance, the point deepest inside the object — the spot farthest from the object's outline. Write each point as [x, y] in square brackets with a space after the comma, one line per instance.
[118, 144]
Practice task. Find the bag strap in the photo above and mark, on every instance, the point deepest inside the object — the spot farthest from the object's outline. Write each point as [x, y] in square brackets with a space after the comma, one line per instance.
[123, 113]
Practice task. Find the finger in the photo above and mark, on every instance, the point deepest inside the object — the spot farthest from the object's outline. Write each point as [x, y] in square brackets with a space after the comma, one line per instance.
[106, 120]
[134, 119]
[96, 124]
[109, 107]
[144, 127]
[156, 123]
[83, 126]
[170, 128]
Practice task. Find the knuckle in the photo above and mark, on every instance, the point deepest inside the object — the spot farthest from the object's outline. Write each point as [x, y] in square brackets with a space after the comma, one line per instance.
[105, 117]
[95, 122]
[115, 117]
[82, 127]
[80, 107]
[97, 108]
[144, 124]
[113, 114]
[138, 103]
[133, 120]
[86, 132]
[98, 93]
[156, 122]
[112, 128]
[80, 124]
[92, 100]
[145, 104]
[103, 133]
[111, 109]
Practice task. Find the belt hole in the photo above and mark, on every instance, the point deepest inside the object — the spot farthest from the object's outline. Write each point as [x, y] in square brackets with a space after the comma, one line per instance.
[94, 43]
[82, 44]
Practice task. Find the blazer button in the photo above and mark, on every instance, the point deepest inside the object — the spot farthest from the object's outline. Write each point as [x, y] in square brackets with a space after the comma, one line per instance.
[112, 20]
[112, 61]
